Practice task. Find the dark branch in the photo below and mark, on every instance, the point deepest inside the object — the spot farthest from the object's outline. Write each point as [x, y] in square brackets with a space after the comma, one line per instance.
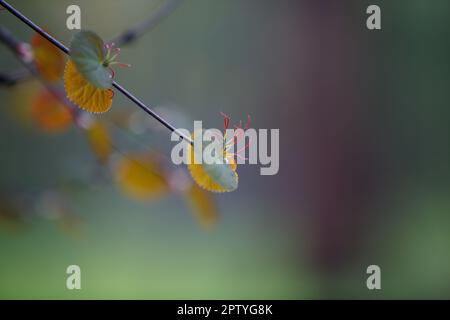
[125, 38]
[22, 50]
[130, 35]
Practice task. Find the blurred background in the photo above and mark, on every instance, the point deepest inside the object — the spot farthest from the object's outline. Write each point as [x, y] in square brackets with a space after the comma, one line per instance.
[364, 156]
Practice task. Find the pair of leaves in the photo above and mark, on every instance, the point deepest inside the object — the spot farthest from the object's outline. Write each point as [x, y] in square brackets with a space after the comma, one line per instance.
[216, 177]
[87, 77]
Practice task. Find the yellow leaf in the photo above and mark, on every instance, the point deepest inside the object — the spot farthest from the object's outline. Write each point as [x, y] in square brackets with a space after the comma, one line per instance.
[139, 177]
[83, 93]
[202, 178]
[100, 141]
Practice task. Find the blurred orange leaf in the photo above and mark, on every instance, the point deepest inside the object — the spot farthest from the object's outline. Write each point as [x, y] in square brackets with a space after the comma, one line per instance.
[49, 113]
[49, 60]
[100, 141]
[139, 177]
[203, 206]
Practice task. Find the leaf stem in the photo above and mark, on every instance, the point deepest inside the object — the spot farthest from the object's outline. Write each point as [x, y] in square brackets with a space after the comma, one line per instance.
[116, 85]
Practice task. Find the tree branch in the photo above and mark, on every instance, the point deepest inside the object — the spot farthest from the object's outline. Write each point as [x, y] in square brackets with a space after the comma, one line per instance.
[13, 44]
[130, 35]
[21, 50]
[123, 39]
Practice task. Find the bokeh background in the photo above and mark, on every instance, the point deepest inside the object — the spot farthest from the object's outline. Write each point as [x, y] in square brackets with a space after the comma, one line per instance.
[364, 156]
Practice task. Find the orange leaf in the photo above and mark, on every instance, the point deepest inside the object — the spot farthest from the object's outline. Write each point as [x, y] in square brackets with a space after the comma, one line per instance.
[83, 93]
[100, 141]
[49, 60]
[49, 113]
[139, 177]
[203, 206]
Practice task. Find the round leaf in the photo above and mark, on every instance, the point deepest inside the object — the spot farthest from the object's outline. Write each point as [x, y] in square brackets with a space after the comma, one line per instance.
[87, 51]
[219, 176]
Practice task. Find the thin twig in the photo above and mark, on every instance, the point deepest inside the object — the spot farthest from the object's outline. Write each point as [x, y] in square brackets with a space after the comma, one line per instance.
[130, 35]
[21, 49]
[116, 85]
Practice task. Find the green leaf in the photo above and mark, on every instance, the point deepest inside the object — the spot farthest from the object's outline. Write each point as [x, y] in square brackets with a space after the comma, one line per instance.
[87, 51]
[223, 175]
[218, 168]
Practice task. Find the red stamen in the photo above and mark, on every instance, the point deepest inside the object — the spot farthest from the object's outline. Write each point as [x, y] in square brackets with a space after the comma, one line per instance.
[226, 120]
[237, 134]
